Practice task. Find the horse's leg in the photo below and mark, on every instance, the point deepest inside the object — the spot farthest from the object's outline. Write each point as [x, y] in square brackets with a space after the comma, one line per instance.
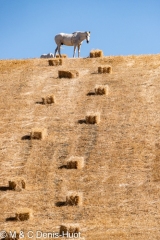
[79, 47]
[74, 52]
[55, 51]
[59, 50]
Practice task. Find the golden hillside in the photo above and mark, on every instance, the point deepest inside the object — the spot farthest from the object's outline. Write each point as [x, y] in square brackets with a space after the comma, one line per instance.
[118, 187]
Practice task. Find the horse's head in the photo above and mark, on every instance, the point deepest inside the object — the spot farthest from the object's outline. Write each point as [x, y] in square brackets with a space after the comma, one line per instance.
[87, 36]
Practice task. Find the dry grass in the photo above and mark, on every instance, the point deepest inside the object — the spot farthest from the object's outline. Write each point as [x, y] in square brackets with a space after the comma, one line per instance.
[68, 74]
[156, 164]
[75, 163]
[121, 176]
[96, 53]
[101, 89]
[93, 118]
[55, 62]
[38, 134]
[10, 65]
[48, 100]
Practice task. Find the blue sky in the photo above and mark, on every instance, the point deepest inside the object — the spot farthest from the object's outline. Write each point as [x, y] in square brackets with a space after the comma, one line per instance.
[118, 27]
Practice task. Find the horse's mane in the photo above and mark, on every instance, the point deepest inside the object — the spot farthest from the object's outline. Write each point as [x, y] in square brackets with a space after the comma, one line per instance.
[75, 32]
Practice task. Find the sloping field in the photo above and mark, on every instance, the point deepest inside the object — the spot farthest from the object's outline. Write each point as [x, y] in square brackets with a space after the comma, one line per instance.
[119, 184]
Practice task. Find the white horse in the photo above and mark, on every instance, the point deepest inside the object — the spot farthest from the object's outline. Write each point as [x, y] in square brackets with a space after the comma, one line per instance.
[49, 55]
[75, 39]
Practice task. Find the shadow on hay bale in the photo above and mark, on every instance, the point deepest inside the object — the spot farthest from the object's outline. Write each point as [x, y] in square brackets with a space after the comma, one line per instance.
[68, 74]
[26, 137]
[21, 215]
[90, 94]
[4, 188]
[60, 204]
[96, 53]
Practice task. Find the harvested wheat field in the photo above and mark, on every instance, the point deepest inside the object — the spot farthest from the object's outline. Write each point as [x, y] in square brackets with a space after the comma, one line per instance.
[116, 191]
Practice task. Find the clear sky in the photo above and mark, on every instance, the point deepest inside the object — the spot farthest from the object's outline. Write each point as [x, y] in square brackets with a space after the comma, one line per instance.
[118, 27]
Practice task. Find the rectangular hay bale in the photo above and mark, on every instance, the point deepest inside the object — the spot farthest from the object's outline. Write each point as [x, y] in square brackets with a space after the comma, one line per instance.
[17, 185]
[63, 56]
[55, 62]
[107, 69]
[96, 53]
[38, 134]
[69, 229]
[101, 89]
[75, 163]
[48, 99]
[100, 69]
[23, 214]
[68, 74]
[74, 199]
[93, 118]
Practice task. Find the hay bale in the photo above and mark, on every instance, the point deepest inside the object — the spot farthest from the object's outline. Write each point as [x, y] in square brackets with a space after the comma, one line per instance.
[62, 55]
[75, 163]
[17, 185]
[101, 89]
[74, 199]
[96, 53]
[68, 74]
[55, 62]
[74, 228]
[38, 133]
[48, 99]
[63, 229]
[100, 69]
[23, 214]
[107, 69]
[93, 118]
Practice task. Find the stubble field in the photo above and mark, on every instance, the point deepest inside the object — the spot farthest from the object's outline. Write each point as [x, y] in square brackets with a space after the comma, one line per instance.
[119, 184]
